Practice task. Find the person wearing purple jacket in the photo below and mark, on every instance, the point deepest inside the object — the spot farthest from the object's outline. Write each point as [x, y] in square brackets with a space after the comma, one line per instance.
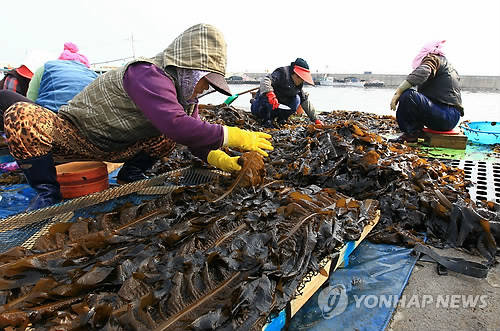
[134, 114]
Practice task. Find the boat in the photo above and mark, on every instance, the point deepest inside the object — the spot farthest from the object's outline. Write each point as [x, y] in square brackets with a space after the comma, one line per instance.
[346, 82]
[241, 79]
[330, 81]
[374, 83]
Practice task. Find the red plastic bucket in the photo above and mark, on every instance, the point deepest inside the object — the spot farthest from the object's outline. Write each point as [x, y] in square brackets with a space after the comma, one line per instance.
[81, 178]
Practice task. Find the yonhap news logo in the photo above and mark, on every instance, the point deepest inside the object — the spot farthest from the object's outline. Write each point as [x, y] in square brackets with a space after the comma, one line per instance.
[332, 301]
[421, 301]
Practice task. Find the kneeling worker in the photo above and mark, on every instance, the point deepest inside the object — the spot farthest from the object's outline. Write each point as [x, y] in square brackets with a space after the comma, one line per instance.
[284, 86]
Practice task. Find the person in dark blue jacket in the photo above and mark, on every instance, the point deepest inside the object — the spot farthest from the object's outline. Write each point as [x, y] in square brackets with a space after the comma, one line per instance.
[284, 86]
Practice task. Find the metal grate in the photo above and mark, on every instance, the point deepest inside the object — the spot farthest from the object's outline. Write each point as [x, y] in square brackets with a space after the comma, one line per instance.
[484, 176]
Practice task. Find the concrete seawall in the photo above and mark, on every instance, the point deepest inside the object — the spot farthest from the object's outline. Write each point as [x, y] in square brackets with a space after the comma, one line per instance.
[490, 83]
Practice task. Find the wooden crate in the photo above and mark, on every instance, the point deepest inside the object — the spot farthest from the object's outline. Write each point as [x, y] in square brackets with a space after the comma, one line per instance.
[455, 141]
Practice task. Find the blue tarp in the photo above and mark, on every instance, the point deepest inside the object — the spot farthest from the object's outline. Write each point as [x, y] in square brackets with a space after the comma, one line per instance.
[14, 199]
[375, 271]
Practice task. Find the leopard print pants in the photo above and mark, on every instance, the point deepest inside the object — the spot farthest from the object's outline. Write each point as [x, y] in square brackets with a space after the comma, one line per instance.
[34, 131]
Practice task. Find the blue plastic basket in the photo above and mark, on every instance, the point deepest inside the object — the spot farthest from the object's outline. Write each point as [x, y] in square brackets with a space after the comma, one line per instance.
[482, 132]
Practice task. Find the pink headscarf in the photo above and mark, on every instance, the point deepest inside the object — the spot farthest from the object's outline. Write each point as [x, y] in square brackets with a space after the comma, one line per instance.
[430, 48]
[71, 53]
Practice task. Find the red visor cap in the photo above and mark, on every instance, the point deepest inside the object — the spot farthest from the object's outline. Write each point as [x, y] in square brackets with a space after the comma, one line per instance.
[303, 73]
[24, 71]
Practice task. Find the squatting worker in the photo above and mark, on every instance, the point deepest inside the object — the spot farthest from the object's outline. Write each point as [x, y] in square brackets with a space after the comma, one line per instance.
[54, 83]
[134, 114]
[58, 81]
[284, 86]
[437, 103]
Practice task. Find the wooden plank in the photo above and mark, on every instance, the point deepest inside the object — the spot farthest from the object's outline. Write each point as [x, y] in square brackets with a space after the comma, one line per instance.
[318, 280]
[458, 141]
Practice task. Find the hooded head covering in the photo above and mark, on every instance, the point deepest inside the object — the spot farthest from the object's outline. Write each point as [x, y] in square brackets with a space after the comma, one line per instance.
[200, 48]
[433, 47]
[71, 53]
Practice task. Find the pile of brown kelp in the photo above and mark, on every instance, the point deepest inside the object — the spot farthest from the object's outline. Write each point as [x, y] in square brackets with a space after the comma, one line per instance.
[192, 261]
[226, 254]
[415, 195]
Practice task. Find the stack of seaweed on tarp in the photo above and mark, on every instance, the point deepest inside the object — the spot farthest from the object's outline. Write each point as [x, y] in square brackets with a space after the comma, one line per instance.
[192, 261]
[225, 255]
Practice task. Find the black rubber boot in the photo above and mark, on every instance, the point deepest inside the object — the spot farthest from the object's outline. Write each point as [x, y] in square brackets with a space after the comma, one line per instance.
[134, 169]
[40, 172]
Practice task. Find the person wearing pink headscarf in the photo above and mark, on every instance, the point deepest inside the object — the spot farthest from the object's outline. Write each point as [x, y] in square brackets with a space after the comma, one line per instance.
[58, 81]
[436, 103]
[71, 53]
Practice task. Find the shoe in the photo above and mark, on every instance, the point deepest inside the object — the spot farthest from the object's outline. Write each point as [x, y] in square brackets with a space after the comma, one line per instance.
[134, 169]
[40, 172]
[406, 137]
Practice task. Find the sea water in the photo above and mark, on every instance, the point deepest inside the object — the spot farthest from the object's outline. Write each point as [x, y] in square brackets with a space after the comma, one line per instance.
[479, 106]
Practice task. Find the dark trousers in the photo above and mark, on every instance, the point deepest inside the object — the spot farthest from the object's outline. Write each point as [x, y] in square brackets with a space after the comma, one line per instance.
[262, 109]
[7, 99]
[415, 111]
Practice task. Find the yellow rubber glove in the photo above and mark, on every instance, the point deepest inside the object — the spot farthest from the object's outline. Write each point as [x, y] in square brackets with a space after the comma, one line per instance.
[221, 160]
[248, 140]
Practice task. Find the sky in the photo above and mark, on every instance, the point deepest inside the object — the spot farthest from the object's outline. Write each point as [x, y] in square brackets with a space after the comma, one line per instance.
[351, 36]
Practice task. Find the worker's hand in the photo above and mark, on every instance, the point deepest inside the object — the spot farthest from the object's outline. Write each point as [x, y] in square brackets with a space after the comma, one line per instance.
[221, 160]
[248, 140]
[401, 88]
[318, 122]
[395, 100]
[273, 101]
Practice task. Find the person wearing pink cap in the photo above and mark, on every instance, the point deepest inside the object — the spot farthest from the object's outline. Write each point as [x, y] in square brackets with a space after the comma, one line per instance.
[284, 86]
[437, 101]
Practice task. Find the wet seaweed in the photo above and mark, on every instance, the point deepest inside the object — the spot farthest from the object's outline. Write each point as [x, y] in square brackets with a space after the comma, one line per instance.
[227, 254]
